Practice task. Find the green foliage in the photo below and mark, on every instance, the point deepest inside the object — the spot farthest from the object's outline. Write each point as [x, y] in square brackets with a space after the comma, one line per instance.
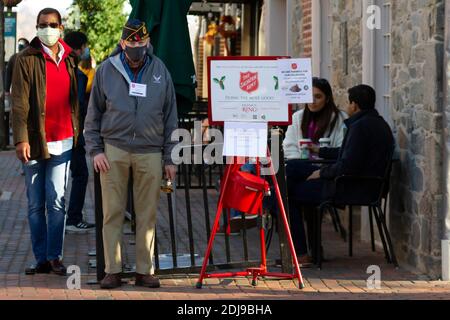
[102, 21]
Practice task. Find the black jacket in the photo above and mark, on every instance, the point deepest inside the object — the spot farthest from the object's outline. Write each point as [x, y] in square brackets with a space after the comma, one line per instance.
[82, 81]
[365, 149]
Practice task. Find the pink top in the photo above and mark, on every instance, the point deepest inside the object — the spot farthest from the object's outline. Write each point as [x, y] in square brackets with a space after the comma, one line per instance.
[312, 129]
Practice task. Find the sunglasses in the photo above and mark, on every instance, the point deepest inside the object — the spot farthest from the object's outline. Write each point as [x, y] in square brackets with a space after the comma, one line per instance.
[53, 25]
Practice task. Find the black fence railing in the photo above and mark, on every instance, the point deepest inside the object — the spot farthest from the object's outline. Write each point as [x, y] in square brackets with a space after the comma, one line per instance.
[184, 227]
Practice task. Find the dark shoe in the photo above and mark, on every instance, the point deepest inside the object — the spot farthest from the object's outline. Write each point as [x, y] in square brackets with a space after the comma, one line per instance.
[233, 231]
[247, 217]
[111, 281]
[80, 227]
[147, 280]
[58, 268]
[236, 225]
[39, 268]
[305, 261]
[250, 222]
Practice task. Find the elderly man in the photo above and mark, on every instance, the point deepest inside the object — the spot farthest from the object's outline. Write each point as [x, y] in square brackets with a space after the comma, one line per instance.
[131, 116]
[45, 127]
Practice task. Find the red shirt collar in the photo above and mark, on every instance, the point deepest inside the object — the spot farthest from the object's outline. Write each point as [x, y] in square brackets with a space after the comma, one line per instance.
[67, 50]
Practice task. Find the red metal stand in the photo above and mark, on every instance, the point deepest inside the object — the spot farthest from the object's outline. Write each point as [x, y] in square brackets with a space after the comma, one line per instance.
[262, 271]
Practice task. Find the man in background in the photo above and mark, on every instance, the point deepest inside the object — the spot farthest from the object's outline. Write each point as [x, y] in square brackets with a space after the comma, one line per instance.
[78, 166]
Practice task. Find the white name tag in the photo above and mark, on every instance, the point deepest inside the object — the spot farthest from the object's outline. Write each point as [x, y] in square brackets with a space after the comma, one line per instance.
[138, 90]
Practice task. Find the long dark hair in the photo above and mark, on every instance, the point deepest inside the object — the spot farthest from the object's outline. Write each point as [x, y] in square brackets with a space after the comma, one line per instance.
[324, 116]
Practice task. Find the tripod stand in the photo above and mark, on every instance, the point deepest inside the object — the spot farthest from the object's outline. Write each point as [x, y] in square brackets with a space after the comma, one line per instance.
[262, 271]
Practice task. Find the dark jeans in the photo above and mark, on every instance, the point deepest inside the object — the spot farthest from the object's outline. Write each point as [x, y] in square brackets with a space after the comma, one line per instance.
[46, 182]
[304, 197]
[303, 203]
[299, 171]
[80, 175]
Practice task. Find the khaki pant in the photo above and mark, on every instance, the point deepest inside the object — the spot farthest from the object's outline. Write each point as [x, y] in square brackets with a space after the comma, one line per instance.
[147, 174]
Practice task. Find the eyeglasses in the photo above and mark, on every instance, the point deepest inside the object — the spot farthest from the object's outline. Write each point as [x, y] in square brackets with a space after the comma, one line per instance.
[53, 25]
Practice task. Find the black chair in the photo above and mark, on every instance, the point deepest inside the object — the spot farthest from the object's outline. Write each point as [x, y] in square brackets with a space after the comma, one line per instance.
[370, 193]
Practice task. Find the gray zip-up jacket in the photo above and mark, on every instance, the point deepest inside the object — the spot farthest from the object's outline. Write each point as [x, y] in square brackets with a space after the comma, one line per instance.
[134, 124]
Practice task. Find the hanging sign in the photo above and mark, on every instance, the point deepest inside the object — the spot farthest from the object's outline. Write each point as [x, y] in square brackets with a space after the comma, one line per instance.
[295, 80]
[246, 89]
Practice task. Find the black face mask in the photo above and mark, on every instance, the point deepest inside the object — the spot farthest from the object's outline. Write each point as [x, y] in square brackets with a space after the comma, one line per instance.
[135, 54]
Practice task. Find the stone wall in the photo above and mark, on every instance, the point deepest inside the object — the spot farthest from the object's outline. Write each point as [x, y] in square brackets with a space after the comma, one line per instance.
[301, 28]
[447, 120]
[346, 41]
[346, 44]
[417, 206]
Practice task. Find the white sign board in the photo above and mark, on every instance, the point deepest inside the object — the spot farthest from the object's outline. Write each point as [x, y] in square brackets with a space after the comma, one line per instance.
[246, 90]
[244, 139]
[295, 80]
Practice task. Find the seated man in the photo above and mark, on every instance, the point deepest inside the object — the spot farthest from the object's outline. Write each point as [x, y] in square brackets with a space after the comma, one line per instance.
[367, 142]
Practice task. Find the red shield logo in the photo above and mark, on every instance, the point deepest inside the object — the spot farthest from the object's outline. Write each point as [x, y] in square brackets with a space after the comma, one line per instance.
[249, 81]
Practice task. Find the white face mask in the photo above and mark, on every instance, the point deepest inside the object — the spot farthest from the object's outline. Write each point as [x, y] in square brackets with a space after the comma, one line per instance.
[49, 36]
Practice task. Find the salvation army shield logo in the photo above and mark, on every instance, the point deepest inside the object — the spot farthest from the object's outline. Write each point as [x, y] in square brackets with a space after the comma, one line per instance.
[249, 81]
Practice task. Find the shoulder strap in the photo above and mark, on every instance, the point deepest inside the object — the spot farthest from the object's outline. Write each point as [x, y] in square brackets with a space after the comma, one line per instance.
[333, 124]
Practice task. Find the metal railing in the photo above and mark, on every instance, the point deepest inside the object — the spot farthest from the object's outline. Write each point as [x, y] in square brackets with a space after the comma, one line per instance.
[193, 178]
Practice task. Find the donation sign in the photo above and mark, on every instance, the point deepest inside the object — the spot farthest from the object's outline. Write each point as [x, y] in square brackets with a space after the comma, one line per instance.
[295, 80]
[246, 90]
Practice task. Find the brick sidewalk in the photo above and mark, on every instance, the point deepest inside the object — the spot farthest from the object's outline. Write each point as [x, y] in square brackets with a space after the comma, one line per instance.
[342, 277]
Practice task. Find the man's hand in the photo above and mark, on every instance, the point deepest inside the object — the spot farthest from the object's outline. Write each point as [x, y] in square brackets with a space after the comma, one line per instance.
[23, 151]
[314, 176]
[171, 172]
[101, 163]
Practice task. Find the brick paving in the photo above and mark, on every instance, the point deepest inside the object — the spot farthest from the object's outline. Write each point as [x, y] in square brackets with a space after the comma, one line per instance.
[342, 277]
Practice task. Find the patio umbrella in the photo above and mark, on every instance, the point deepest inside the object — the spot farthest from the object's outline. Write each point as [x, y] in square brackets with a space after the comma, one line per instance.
[167, 22]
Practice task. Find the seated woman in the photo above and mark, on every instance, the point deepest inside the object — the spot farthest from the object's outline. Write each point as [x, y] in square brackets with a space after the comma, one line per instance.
[321, 119]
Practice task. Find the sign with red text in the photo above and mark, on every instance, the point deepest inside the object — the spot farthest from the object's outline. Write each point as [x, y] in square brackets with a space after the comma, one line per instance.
[245, 89]
[295, 80]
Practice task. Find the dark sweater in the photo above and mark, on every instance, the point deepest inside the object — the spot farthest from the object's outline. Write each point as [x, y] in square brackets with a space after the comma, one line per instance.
[365, 149]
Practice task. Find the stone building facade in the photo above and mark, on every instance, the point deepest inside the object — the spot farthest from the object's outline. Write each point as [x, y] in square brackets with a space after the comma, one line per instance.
[404, 59]
[419, 211]
[302, 28]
